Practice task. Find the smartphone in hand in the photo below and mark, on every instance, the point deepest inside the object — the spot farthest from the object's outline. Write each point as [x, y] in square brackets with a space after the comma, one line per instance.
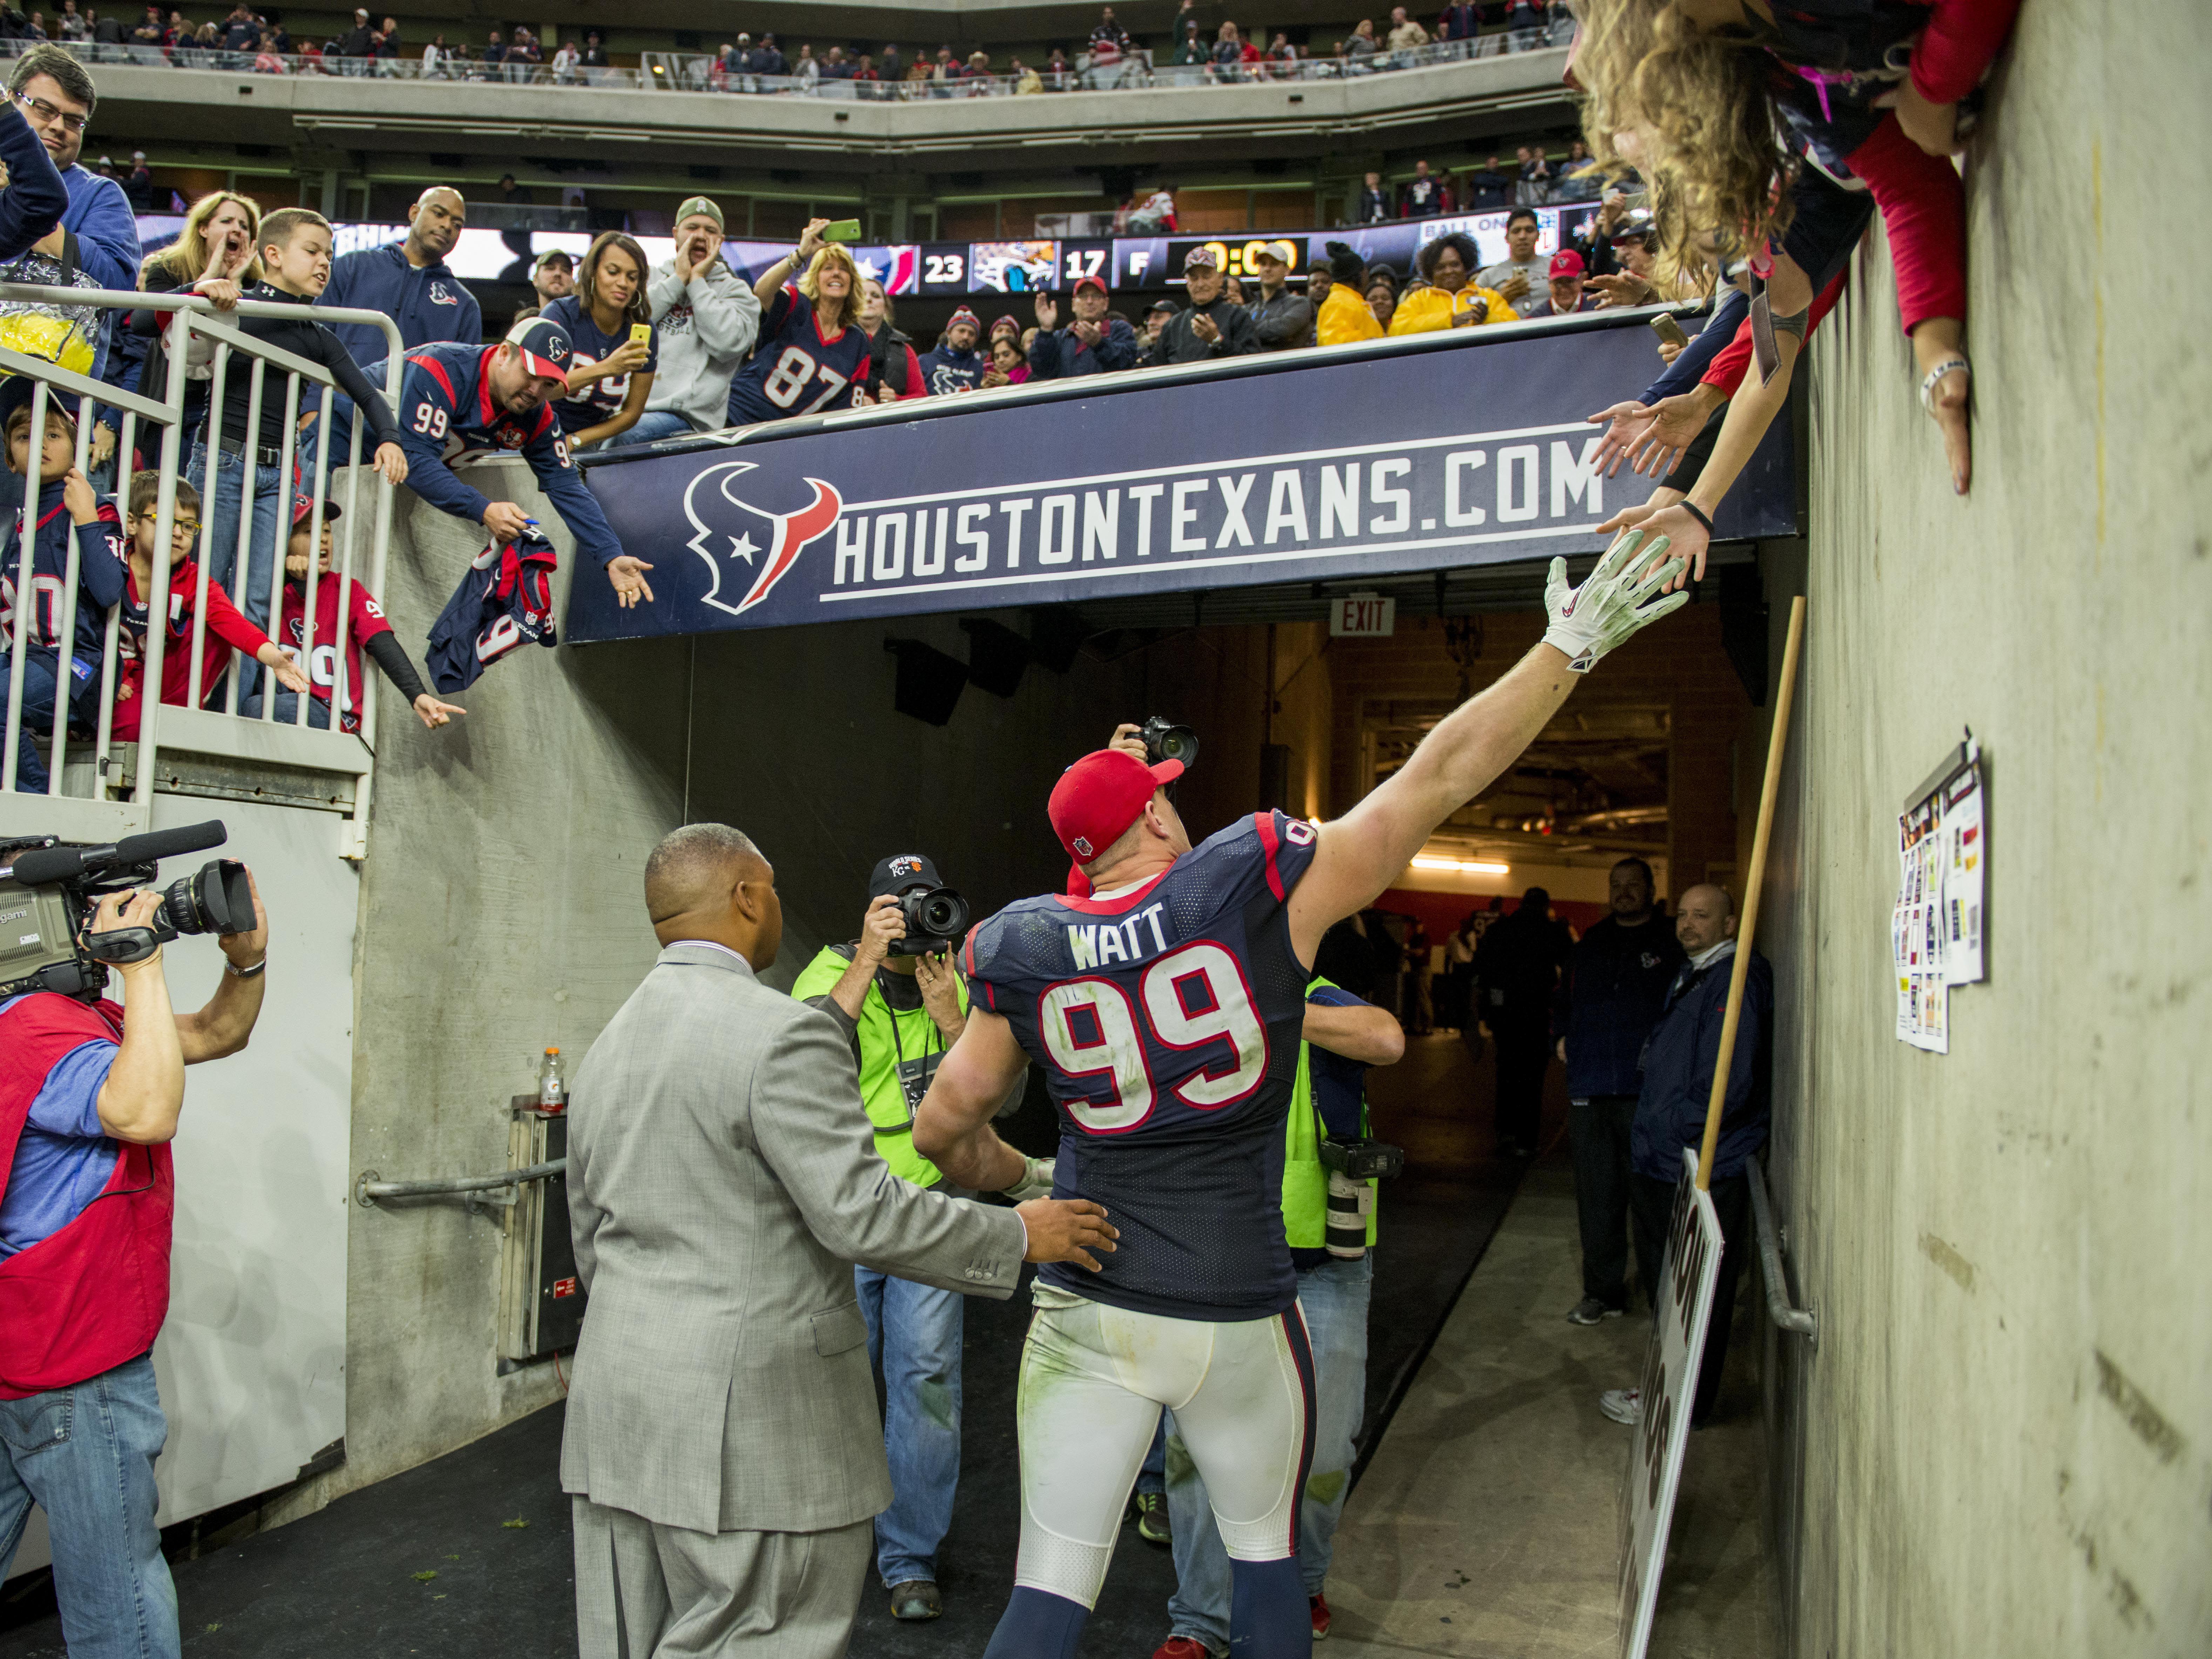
[1668, 330]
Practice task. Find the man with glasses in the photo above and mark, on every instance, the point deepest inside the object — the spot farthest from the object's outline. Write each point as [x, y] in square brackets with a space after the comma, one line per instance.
[57, 98]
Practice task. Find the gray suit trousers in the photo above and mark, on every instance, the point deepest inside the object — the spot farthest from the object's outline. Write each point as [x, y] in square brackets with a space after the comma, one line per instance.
[647, 1591]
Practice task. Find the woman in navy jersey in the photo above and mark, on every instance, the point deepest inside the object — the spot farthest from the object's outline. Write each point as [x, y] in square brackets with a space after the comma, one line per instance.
[612, 373]
[812, 353]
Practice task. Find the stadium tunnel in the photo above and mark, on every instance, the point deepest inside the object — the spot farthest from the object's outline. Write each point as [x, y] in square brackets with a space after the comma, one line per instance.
[1996, 1444]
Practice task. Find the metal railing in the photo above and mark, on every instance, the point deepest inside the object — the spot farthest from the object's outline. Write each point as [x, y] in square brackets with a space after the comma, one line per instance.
[703, 72]
[1802, 1322]
[370, 1189]
[121, 792]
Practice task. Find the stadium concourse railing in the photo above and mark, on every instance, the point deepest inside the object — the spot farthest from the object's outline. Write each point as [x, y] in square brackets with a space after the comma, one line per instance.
[100, 788]
[680, 71]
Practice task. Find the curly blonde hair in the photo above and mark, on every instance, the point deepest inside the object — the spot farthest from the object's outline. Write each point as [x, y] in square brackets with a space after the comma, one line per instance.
[833, 253]
[1694, 107]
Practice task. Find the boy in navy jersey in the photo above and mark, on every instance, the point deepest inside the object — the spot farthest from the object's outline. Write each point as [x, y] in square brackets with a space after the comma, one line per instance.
[1165, 1009]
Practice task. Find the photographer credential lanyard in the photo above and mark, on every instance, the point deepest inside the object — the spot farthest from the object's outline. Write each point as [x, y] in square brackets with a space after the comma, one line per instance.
[928, 1062]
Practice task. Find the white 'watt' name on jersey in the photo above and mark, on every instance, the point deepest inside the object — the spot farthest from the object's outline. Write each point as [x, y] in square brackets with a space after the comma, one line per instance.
[1103, 942]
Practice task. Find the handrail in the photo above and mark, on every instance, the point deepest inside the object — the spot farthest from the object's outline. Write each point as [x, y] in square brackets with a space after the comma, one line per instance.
[1801, 1321]
[369, 1191]
[192, 315]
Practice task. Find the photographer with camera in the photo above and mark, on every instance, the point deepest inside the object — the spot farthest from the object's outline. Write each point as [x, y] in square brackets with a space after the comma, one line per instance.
[901, 1003]
[89, 1096]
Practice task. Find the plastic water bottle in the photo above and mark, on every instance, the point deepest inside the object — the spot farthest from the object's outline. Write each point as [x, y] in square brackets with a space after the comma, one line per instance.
[552, 1083]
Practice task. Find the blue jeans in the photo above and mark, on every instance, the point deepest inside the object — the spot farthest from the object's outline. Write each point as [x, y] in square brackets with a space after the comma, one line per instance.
[1334, 1298]
[271, 513]
[288, 708]
[914, 1333]
[34, 738]
[1153, 1475]
[652, 425]
[85, 1455]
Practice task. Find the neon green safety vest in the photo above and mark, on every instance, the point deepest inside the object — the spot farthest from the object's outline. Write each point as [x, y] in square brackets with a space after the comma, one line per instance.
[1306, 1177]
[886, 1034]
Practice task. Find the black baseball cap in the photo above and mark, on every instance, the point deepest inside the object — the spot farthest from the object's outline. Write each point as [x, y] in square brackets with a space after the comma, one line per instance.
[902, 871]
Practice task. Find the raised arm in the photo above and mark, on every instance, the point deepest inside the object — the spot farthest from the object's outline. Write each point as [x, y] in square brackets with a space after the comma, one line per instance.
[770, 282]
[1365, 851]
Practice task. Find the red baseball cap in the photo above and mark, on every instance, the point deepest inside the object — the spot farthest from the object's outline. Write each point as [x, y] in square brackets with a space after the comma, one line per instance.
[1566, 263]
[1101, 796]
[1082, 283]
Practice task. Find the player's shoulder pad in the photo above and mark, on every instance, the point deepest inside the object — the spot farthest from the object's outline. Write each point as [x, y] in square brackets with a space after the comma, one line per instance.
[1272, 846]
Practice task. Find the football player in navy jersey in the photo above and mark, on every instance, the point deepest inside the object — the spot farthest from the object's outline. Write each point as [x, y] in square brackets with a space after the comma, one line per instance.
[1166, 1010]
[813, 351]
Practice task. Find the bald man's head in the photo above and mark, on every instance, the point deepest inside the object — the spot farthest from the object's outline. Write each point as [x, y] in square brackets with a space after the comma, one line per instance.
[435, 221]
[1704, 916]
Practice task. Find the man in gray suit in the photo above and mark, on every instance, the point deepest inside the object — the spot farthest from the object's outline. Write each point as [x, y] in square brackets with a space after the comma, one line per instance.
[722, 1445]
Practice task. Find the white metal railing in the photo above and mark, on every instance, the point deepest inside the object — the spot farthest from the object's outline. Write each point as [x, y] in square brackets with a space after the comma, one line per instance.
[703, 72]
[120, 796]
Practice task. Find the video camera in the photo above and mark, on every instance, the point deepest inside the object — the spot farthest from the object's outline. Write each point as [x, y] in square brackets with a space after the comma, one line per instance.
[935, 918]
[48, 891]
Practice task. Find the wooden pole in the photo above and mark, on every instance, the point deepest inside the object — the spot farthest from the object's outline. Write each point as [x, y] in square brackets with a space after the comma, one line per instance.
[1775, 745]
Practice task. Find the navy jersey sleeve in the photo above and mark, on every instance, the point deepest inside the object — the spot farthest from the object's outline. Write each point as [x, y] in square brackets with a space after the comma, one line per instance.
[429, 409]
[1272, 850]
[547, 455]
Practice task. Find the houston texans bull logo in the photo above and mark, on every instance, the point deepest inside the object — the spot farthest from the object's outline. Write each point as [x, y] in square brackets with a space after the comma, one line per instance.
[787, 534]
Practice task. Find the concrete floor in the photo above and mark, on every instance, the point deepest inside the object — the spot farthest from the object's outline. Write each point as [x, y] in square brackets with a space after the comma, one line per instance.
[1488, 1524]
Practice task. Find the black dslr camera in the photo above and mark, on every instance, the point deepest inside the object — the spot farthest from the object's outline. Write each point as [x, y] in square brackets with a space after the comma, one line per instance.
[936, 917]
[1164, 740]
[48, 891]
[1362, 1159]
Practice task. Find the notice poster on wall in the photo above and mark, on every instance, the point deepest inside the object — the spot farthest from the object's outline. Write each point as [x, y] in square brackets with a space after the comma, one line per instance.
[1936, 924]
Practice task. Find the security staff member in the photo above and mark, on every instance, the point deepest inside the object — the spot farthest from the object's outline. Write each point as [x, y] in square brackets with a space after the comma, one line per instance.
[902, 1012]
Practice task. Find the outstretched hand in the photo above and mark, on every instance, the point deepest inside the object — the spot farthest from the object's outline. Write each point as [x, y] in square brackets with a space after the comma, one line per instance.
[627, 572]
[1678, 530]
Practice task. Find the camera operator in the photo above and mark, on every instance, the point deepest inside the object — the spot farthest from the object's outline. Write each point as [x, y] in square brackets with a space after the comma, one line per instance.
[902, 1008]
[89, 1096]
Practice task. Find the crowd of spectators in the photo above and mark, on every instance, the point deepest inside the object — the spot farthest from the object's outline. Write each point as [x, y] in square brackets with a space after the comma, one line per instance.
[248, 40]
[1533, 180]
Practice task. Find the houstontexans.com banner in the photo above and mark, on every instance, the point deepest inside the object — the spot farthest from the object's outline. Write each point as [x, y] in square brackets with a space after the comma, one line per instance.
[1316, 467]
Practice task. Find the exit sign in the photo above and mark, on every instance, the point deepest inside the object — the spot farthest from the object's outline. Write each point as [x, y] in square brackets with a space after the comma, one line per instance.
[1362, 616]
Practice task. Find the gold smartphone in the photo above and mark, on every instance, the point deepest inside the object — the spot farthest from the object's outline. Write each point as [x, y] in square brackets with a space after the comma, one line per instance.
[1668, 330]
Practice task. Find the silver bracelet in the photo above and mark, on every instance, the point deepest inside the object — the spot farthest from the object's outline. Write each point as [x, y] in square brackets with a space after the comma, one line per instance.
[254, 972]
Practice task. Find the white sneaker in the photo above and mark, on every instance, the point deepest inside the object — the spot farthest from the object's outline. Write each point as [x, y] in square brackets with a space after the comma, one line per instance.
[1623, 1405]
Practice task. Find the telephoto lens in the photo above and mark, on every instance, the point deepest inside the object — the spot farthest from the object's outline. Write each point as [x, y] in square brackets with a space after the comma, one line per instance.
[1349, 1202]
[1166, 741]
[218, 900]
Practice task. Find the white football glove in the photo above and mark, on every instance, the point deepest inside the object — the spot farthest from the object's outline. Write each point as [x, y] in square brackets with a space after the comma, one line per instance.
[1035, 1182]
[1589, 621]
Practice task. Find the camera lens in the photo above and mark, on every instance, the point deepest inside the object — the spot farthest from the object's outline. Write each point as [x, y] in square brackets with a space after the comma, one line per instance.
[944, 914]
[218, 900]
[1179, 743]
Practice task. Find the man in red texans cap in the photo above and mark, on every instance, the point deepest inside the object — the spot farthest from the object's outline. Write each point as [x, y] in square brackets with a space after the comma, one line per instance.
[1165, 1009]
[1094, 343]
[1567, 275]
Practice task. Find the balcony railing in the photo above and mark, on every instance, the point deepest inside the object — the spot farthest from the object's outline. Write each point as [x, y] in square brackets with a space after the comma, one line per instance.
[673, 71]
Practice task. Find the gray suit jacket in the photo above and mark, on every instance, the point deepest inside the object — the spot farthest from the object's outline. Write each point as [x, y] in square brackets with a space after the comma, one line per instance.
[721, 1177]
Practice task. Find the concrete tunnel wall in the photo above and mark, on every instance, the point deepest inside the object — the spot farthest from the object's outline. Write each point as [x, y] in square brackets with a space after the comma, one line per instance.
[2003, 1442]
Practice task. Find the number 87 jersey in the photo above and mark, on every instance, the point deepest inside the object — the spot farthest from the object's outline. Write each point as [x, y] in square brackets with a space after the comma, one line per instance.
[1167, 1018]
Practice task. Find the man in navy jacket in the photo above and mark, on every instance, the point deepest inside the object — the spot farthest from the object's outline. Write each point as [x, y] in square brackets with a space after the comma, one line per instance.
[1670, 1115]
[1094, 343]
[410, 282]
[56, 96]
[1611, 996]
